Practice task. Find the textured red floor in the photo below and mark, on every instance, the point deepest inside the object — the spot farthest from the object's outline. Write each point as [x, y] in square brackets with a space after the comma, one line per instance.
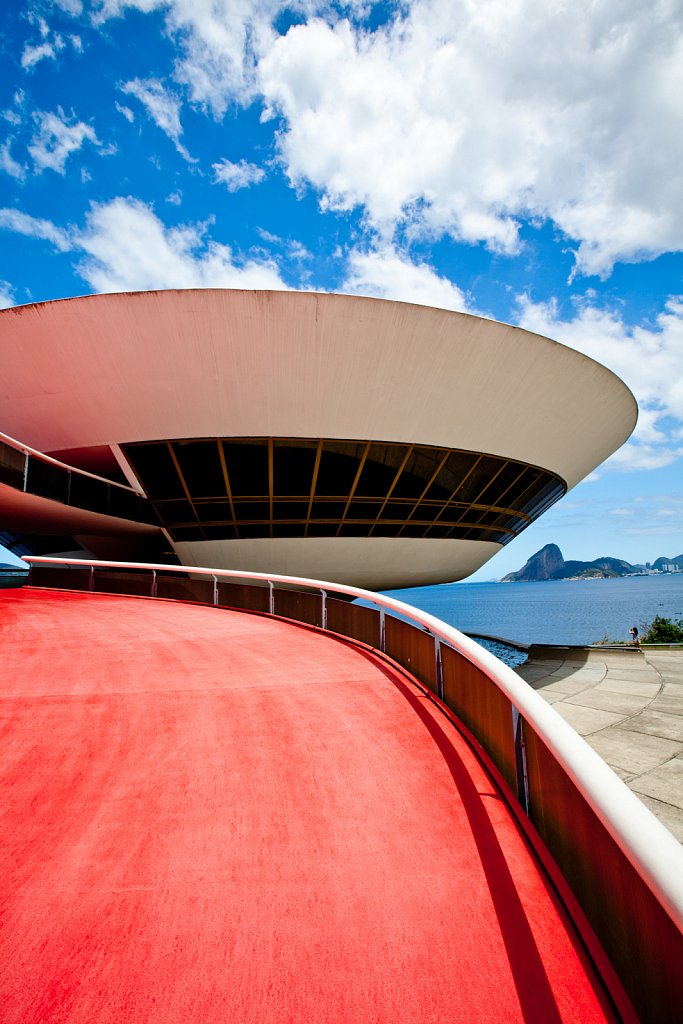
[210, 816]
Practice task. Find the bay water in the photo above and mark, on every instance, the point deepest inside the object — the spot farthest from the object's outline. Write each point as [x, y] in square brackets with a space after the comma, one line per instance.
[552, 611]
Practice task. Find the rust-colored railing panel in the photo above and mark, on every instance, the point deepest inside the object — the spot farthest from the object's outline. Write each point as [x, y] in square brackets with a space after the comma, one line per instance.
[413, 648]
[136, 584]
[355, 621]
[12, 466]
[241, 595]
[644, 944]
[293, 604]
[485, 711]
[67, 579]
[184, 589]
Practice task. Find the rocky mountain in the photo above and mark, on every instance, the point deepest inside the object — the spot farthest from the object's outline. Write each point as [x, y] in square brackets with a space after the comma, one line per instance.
[548, 564]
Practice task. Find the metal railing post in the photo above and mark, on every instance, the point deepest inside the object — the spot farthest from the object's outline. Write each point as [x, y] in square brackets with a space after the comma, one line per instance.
[215, 590]
[91, 581]
[438, 668]
[323, 609]
[382, 631]
[153, 590]
[271, 597]
[520, 760]
[26, 457]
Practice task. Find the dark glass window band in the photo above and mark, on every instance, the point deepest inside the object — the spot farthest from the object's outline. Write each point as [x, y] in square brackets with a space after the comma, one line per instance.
[226, 488]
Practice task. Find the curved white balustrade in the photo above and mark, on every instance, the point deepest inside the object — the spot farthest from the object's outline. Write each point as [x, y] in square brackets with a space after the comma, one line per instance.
[34, 454]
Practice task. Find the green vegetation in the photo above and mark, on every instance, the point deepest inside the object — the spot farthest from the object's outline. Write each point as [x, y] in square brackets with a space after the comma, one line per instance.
[659, 631]
[662, 631]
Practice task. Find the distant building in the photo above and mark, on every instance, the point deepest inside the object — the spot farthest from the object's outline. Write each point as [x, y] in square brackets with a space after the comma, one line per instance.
[345, 438]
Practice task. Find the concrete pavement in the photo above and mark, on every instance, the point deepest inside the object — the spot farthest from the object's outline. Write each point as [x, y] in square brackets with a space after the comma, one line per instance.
[627, 703]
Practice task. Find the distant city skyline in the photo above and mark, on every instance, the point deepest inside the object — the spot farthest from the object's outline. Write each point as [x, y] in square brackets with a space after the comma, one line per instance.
[517, 161]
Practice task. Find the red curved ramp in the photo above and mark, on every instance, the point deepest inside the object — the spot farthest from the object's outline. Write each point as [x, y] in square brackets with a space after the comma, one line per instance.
[213, 816]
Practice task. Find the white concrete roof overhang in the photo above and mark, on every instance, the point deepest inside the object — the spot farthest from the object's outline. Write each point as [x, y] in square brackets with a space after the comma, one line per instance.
[106, 370]
[109, 369]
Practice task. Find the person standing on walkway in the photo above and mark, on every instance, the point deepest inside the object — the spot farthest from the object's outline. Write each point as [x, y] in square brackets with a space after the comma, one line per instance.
[634, 635]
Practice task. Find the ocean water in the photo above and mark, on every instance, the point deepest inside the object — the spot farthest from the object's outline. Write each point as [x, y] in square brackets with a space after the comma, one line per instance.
[555, 611]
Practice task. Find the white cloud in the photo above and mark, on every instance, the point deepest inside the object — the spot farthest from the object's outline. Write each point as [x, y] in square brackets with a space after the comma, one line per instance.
[292, 247]
[219, 40]
[45, 50]
[6, 295]
[298, 251]
[648, 360]
[15, 116]
[237, 176]
[466, 118]
[56, 139]
[126, 111]
[128, 247]
[23, 224]
[387, 274]
[643, 456]
[33, 54]
[74, 7]
[162, 107]
[9, 164]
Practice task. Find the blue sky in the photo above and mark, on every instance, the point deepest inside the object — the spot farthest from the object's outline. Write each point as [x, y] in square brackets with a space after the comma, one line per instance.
[508, 158]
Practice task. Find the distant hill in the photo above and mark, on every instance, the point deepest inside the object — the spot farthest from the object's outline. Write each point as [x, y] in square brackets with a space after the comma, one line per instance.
[548, 564]
[661, 562]
[6, 567]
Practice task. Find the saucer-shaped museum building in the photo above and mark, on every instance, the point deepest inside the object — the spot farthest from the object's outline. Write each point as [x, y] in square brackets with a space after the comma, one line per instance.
[351, 439]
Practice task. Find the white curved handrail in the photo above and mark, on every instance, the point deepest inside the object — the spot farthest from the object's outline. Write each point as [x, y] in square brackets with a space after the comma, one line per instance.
[35, 454]
[645, 842]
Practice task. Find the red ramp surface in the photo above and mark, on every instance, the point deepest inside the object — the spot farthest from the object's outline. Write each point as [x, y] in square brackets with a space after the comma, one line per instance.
[213, 816]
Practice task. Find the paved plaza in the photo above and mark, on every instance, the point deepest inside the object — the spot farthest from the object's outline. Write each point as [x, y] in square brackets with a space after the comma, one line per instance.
[628, 704]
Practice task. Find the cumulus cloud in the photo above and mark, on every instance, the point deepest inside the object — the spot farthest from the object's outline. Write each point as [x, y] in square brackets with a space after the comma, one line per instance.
[46, 49]
[15, 115]
[74, 7]
[220, 42]
[33, 54]
[461, 118]
[127, 247]
[467, 118]
[648, 359]
[57, 138]
[124, 246]
[388, 274]
[293, 249]
[9, 164]
[237, 176]
[162, 107]
[23, 224]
